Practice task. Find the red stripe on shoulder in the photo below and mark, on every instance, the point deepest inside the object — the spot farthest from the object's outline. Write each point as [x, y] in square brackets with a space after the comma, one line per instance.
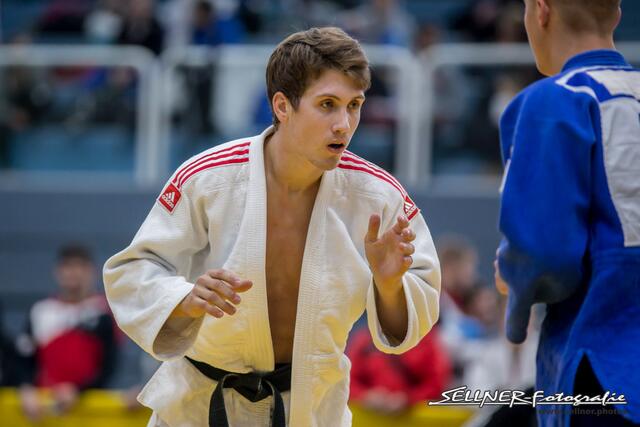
[370, 172]
[209, 165]
[226, 152]
[352, 162]
[350, 157]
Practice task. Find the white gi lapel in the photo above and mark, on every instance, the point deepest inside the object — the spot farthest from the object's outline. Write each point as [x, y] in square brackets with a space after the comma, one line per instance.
[311, 277]
[254, 232]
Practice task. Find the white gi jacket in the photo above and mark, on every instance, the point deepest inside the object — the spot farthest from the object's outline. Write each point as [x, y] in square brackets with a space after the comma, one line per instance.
[212, 214]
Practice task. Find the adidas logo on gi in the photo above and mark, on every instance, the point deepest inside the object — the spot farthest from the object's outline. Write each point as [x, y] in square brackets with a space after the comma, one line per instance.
[410, 208]
[170, 197]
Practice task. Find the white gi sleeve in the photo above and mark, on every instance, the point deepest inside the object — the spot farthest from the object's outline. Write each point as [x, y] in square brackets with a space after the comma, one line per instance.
[421, 288]
[146, 281]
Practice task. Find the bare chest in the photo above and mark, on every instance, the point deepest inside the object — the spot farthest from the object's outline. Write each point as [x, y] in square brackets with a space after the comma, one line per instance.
[287, 228]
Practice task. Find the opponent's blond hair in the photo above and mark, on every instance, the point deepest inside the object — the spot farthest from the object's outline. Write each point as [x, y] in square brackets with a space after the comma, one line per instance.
[582, 16]
[303, 56]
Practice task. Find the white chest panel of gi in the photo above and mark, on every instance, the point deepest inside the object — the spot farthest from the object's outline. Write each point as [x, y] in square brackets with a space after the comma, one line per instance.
[620, 117]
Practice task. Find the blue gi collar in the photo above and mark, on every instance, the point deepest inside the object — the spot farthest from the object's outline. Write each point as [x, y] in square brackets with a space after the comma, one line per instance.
[590, 58]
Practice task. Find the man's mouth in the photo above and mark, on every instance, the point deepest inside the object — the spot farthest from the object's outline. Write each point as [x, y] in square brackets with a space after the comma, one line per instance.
[336, 147]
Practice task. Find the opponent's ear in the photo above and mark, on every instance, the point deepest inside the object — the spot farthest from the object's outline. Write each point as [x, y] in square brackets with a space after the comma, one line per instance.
[543, 13]
[281, 106]
[618, 16]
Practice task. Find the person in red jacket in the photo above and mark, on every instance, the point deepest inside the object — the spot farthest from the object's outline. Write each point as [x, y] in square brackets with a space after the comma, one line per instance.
[70, 342]
[393, 383]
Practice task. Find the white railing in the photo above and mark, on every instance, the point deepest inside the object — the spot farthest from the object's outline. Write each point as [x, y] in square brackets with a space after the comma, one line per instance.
[413, 89]
[138, 58]
[466, 55]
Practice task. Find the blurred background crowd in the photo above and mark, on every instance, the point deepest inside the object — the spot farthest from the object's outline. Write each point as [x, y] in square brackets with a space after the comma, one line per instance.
[65, 123]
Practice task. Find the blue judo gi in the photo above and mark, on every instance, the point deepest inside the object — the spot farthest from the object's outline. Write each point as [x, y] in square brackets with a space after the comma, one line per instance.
[570, 217]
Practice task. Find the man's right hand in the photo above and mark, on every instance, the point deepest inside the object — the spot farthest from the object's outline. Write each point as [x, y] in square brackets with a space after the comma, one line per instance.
[215, 293]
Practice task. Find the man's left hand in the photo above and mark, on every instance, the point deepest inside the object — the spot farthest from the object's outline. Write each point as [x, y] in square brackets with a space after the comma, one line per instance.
[389, 255]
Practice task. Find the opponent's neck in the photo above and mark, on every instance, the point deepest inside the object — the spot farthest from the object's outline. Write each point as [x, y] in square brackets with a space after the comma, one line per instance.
[573, 45]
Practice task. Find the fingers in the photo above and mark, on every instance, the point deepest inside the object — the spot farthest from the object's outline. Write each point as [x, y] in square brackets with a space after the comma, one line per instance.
[222, 288]
[217, 291]
[407, 260]
[408, 235]
[374, 229]
[407, 248]
[237, 283]
[214, 299]
[401, 223]
[402, 228]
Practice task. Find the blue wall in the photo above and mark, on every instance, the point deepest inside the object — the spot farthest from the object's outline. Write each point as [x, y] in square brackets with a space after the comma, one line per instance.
[34, 224]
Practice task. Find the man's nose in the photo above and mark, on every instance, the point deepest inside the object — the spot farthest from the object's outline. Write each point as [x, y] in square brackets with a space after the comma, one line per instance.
[342, 124]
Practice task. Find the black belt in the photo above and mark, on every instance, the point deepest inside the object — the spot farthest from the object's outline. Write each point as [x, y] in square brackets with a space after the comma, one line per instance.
[252, 386]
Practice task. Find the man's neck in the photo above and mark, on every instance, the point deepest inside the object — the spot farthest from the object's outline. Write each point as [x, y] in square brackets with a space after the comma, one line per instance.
[286, 169]
[573, 45]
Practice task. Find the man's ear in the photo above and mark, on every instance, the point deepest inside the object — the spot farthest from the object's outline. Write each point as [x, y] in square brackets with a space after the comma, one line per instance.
[618, 17]
[281, 106]
[543, 13]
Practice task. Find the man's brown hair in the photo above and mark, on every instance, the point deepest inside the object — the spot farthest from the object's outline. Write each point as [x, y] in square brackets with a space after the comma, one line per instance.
[589, 15]
[304, 56]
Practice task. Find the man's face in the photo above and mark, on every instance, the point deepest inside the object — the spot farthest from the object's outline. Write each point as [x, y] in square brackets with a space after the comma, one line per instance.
[75, 276]
[326, 119]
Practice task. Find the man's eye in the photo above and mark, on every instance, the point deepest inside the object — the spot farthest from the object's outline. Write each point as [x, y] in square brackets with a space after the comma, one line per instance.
[354, 105]
[327, 104]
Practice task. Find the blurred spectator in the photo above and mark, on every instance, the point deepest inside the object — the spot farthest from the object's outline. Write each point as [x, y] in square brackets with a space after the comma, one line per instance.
[461, 332]
[176, 18]
[500, 365]
[481, 131]
[459, 265]
[451, 104]
[249, 13]
[478, 22]
[315, 13]
[484, 307]
[64, 17]
[380, 22]
[27, 92]
[141, 26]
[428, 34]
[69, 344]
[210, 28]
[26, 97]
[506, 87]
[510, 24]
[108, 97]
[201, 22]
[390, 383]
[492, 21]
[104, 23]
[8, 374]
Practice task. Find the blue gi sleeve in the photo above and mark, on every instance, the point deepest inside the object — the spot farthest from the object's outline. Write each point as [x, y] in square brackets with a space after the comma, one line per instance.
[547, 139]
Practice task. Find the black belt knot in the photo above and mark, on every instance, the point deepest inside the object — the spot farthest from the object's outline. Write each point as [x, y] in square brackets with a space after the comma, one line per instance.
[253, 386]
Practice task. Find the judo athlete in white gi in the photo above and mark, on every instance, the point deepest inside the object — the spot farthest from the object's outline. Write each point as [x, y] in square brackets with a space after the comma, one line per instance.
[261, 253]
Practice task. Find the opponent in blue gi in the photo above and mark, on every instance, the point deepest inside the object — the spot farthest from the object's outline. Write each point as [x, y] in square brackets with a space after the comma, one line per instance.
[570, 211]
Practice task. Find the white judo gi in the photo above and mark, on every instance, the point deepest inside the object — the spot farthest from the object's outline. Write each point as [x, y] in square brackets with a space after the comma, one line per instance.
[212, 214]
